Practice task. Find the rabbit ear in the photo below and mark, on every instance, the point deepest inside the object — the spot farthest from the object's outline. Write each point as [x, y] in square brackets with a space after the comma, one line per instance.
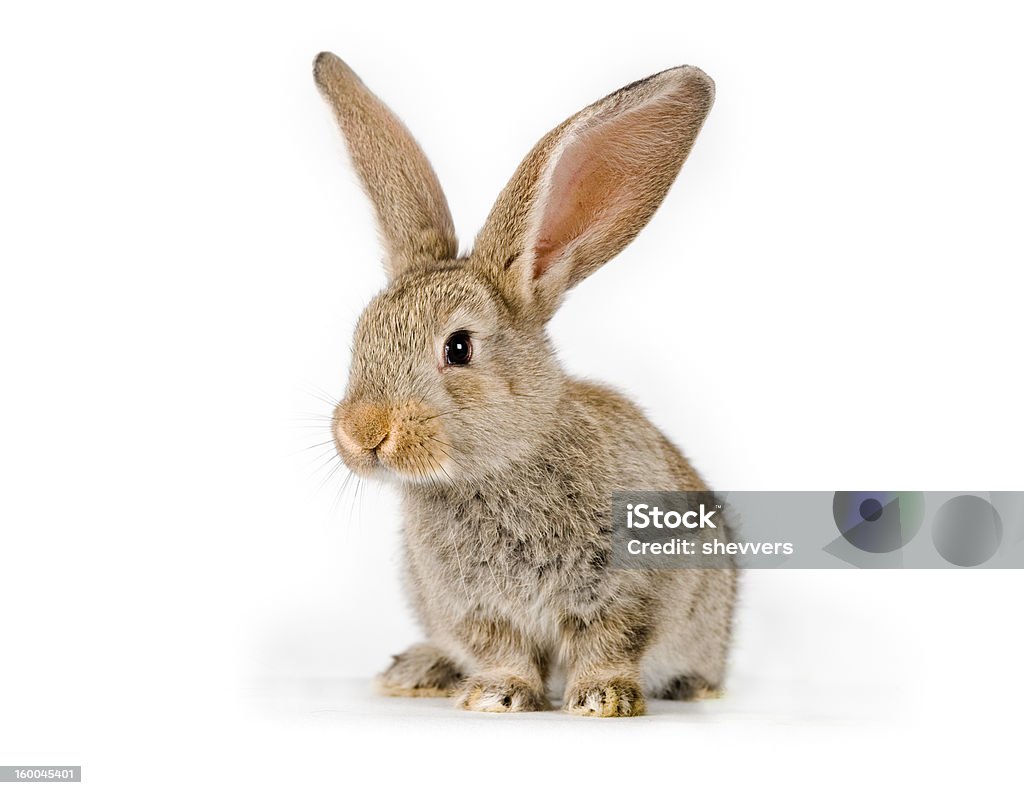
[590, 186]
[411, 209]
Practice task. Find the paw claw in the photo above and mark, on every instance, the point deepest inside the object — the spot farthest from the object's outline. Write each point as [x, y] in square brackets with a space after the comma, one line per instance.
[613, 698]
[500, 694]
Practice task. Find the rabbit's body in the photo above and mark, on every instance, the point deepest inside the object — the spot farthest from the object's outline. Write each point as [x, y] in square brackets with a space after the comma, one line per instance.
[485, 559]
[506, 466]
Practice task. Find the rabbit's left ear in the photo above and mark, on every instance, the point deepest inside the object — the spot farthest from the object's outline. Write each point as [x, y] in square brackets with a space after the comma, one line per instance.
[590, 185]
[412, 212]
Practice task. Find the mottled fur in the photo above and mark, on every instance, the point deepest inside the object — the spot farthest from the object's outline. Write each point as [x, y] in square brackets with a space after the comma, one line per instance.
[506, 466]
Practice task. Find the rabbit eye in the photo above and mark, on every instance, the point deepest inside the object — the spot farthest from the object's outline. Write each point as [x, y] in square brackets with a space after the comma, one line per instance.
[458, 349]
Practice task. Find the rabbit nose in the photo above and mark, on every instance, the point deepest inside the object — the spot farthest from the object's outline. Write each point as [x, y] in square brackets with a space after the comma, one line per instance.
[362, 427]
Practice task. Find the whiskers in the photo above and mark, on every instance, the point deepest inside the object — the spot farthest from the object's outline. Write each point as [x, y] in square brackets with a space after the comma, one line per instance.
[418, 452]
[325, 465]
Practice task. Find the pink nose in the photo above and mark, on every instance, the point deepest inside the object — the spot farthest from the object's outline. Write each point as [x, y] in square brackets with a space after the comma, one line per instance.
[362, 427]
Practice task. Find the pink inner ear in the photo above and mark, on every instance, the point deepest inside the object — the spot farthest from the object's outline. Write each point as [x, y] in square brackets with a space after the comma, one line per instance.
[577, 192]
[596, 193]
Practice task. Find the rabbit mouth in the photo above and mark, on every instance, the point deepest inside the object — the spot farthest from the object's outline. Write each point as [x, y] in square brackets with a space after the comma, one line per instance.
[405, 440]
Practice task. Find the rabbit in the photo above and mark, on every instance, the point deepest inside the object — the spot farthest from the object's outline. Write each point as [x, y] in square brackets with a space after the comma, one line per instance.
[506, 465]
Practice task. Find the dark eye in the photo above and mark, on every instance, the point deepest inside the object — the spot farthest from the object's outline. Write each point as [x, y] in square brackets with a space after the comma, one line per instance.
[458, 349]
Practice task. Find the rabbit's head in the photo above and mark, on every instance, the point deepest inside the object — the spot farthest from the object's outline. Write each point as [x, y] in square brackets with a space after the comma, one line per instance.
[453, 375]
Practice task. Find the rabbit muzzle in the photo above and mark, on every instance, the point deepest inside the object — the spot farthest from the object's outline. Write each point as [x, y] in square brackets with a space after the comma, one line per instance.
[403, 439]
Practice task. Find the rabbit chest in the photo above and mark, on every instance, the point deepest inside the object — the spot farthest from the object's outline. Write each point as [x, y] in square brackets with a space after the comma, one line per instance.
[544, 548]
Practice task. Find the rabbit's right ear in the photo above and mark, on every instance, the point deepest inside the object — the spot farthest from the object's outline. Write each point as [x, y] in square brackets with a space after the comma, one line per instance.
[412, 212]
[590, 185]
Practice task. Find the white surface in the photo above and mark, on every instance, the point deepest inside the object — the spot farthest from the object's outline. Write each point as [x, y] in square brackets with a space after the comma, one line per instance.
[842, 680]
[828, 299]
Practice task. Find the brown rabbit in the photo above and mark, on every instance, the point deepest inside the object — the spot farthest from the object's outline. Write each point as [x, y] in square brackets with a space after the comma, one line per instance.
[506, 465]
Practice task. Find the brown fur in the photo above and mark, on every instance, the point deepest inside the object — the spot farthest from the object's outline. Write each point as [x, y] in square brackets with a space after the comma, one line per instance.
[412, 211]
[506, 466]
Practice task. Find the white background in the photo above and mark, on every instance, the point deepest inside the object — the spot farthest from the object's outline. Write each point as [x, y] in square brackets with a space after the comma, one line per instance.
[828, 299]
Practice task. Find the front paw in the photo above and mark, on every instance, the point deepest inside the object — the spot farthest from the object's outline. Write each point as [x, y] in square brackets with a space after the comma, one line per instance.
[496, 693]
[606, 698]
[420, 670]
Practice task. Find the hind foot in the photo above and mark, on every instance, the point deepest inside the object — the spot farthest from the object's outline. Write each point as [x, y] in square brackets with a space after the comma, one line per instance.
[689, 688]
[422, 671]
